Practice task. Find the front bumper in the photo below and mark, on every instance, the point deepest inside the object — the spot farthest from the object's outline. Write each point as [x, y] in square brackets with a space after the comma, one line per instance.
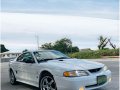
[88, 82]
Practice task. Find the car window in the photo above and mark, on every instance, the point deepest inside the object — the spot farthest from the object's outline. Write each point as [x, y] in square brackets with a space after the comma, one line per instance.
[20, 58]
[28, 57]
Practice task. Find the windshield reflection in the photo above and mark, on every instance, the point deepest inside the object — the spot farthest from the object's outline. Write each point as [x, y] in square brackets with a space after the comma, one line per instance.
[49, 55]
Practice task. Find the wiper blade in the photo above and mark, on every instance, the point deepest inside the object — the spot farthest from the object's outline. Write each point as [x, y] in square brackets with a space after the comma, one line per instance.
[48, 59]
[44, 60]
[63, 58]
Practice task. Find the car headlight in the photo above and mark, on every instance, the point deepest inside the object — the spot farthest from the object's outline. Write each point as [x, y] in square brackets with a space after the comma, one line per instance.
[75, 73]
[105, 68]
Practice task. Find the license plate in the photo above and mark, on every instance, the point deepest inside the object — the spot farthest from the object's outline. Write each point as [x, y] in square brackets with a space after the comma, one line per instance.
[101, 79]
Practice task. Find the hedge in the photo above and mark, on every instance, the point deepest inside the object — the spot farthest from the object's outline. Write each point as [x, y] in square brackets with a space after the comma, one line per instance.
[94, 54]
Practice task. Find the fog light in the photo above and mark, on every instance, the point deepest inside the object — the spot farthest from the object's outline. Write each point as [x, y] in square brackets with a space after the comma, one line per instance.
[81, 88]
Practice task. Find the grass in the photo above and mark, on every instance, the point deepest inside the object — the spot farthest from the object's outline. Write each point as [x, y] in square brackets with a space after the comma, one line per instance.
[90, 54]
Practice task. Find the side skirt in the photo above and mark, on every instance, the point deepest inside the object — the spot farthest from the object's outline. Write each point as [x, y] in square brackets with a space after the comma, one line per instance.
[29, 83]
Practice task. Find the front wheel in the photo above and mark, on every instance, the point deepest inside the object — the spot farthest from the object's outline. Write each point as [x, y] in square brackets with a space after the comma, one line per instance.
[47, 83]
[12, 78]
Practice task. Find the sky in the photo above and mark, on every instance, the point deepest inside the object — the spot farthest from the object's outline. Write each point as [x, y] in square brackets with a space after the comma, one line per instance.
[83, 21]
[91, 8]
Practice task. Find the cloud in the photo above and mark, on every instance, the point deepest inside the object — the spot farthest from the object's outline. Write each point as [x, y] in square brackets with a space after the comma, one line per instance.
[92, 8]
[19, 30]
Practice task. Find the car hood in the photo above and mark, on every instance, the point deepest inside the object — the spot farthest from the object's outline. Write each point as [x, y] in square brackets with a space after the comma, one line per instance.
[74, 64]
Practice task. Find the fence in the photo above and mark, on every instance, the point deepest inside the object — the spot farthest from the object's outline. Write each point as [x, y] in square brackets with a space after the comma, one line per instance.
[9, 55]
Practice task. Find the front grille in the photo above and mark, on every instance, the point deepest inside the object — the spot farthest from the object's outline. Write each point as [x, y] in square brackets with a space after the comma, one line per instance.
[95, 70]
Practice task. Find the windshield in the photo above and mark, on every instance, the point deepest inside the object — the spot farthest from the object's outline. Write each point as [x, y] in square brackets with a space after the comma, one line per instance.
[49, 55]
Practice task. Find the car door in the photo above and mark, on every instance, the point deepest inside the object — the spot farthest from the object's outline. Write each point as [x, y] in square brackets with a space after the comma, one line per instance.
[29, 68]
[18, 67]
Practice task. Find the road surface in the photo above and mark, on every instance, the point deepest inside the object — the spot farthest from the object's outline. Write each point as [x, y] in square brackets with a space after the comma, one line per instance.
[113, 65]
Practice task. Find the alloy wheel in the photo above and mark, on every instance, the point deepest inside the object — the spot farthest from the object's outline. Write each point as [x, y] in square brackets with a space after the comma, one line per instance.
[47, 83]
[12, 77]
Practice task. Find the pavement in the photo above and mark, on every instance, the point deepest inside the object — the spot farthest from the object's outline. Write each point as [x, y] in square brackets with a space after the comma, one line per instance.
[113, 65]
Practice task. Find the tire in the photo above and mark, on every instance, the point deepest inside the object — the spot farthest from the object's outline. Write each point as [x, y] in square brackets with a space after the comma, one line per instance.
[47, 82]
[12, 78]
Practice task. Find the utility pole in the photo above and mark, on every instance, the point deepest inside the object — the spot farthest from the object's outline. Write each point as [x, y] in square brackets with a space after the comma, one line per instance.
[37, 39]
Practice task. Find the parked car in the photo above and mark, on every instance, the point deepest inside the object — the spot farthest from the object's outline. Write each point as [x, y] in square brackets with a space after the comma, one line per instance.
[52, 70]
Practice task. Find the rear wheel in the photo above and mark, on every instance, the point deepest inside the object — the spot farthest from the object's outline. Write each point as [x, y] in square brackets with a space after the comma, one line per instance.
[47, 82]
[12, 78]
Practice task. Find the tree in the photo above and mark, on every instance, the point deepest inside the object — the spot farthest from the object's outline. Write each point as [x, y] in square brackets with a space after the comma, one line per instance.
[102, 42]
[64, 45]
[3, 49]
[47, 46]
[75, 49]
[111, 44]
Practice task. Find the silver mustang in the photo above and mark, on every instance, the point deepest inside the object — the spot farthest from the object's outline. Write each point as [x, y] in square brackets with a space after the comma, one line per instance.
[52, 70]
